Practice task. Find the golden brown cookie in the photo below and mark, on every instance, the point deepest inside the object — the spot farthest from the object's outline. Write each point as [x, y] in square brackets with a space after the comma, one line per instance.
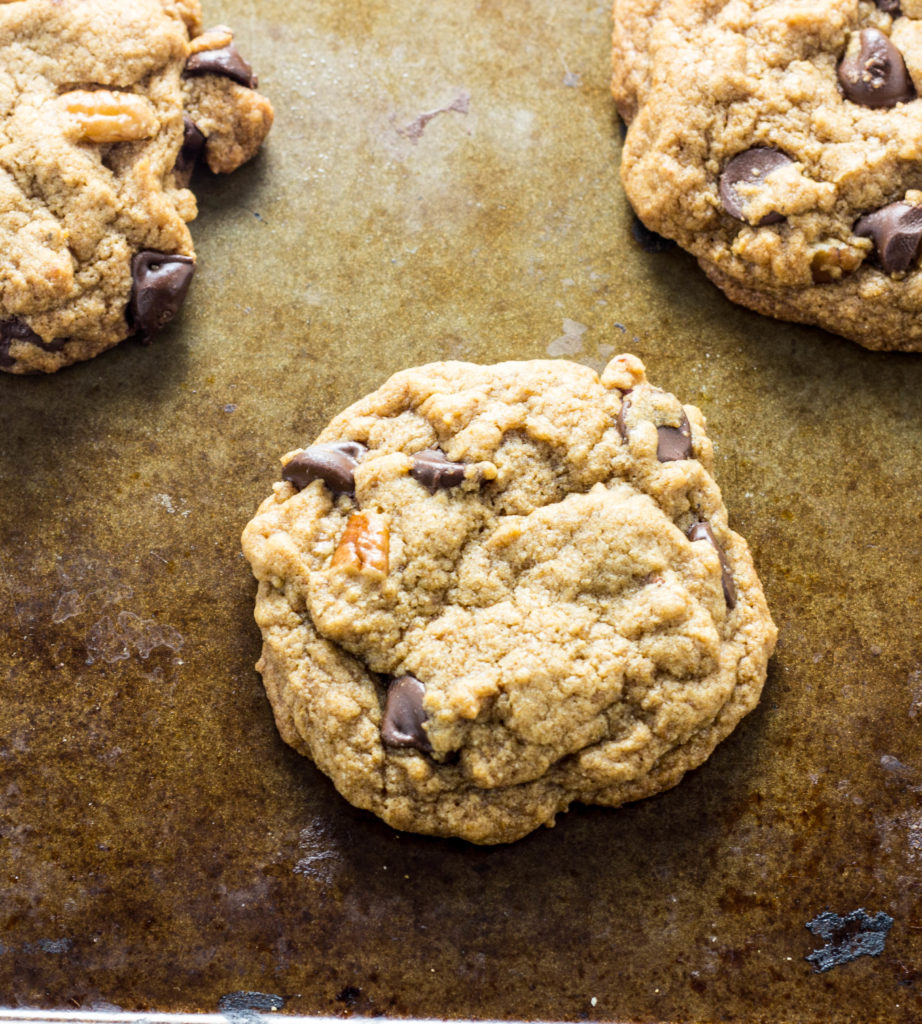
[488, 591]
[781, 144]
[104, 108]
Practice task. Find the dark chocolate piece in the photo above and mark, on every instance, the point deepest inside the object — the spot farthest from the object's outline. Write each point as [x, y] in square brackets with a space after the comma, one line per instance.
[702, 531]
[404, 715]
[193, 145]
[224, 61]
[751, 167]
[14, 330]
[332, 463]
[674, 443]
[895, 231]
[433, 469]
[649, 240]
[159, 285]
[873, 72]
[18, 330]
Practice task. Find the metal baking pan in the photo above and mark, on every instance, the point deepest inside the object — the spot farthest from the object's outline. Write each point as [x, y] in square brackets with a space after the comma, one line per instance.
[441, 182]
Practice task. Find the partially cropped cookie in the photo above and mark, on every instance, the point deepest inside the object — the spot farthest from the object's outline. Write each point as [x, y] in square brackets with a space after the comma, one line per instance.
[486, 592]
[105, 107]
[781, 144]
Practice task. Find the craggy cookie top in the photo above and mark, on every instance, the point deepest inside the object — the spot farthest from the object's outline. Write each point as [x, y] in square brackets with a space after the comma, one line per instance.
[488, 591]
[104, 108]
[780, 141]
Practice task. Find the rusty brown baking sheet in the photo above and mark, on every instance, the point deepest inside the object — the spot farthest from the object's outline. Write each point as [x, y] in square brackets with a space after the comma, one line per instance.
[442, 182]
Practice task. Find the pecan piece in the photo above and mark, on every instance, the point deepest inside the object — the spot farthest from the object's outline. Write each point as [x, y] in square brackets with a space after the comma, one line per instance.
[214, 39]
[364, 545]
[831, 262]
[100, 115]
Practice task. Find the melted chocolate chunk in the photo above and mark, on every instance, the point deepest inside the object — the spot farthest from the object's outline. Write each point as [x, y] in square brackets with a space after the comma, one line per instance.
[895, 231]
[193, 145]
[873, 72]
[433, 470]
[751, 167]
[649, 240]
[159, 285]
[404, 715]
[224, 61]
[18, 330]
[702, 531]
[332, 463]
[14, 330]
[674, 443]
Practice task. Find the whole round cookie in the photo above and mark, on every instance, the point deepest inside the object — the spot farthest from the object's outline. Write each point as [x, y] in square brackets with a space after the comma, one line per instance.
[488, 591]
[105, 107]
[781, 144]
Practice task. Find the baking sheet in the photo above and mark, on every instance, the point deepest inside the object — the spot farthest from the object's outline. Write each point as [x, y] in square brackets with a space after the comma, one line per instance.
[441, 182]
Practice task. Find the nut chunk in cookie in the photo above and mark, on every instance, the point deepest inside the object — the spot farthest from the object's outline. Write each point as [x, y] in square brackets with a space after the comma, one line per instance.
[781, 144]
[486, 592]
[107, 106]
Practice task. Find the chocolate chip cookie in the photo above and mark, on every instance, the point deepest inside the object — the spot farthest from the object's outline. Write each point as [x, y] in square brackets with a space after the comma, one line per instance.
[486, 592]
[105, 107]
[781, 144]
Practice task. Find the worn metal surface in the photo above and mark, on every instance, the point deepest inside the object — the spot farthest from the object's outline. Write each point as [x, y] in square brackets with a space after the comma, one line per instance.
[161, 849]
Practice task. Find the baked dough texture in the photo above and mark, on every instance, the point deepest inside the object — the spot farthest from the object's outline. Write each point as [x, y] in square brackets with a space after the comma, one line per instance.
[562, 593]
[832, 86]
[102, 116]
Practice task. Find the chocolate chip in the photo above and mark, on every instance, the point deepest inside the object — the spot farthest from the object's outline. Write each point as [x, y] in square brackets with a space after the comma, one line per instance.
[649, 240]
[674, 443]
[872, 71]
[18, 330]
[702, 531]
[622, 412]
[433, 470]
[14, 330]
[404, 715]
[332, 463]
[225, 61]
[193, 145]
[751, 167]
[159, 285]
[895, 231]
[891, 7]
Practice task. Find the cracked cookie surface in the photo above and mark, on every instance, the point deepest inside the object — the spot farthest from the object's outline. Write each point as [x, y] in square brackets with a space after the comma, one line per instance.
[780, 142]
[488, 591]
[101, 122]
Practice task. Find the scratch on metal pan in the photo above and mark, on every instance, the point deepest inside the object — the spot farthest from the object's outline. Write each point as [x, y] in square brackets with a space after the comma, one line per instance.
[857, 934]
